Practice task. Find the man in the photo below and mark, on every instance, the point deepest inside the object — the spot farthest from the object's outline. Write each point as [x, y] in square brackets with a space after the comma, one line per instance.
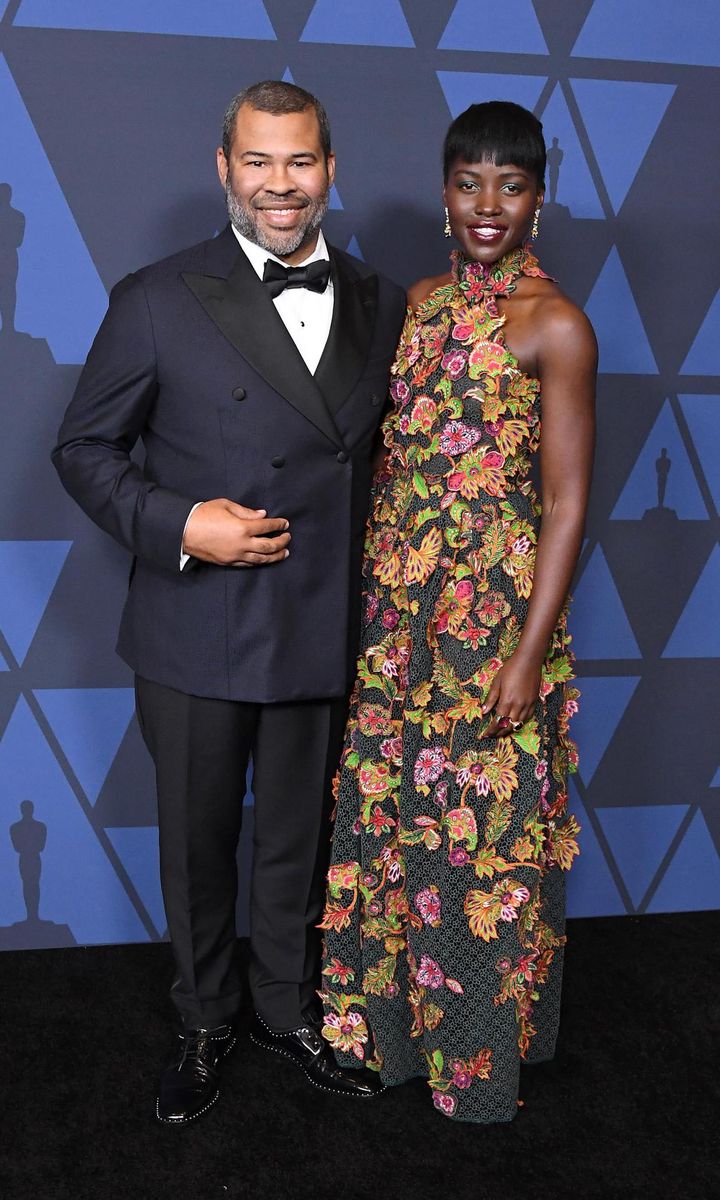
[254, 367]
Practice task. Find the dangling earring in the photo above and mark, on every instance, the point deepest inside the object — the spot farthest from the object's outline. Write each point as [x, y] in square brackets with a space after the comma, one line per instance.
[536, 224]
[447, 231]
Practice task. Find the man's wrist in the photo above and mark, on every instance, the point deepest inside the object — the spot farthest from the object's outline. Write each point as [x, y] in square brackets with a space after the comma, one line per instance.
[184, 556]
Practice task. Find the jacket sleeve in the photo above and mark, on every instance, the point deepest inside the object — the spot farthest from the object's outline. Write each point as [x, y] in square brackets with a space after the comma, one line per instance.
[106, 416]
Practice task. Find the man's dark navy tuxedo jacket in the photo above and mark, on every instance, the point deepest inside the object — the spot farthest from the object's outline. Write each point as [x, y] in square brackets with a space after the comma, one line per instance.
[194, 359]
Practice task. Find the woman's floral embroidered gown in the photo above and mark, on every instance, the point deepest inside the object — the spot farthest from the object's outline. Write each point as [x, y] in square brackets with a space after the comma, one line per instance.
[445, 911]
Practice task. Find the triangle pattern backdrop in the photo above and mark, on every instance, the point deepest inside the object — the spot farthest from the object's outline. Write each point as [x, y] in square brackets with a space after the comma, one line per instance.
[89, 724]
[28, 574]
[54, 260]
[71, 763]
[652, 31]
[481, 26]
[641, 496]
[212, 18]
[345, 22]
[637, 108]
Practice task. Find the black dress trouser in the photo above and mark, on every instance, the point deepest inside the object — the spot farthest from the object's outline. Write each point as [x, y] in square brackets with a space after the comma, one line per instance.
[201, 748]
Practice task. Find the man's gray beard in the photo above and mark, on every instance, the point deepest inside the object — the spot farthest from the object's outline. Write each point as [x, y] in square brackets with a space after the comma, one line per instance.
[283, 243]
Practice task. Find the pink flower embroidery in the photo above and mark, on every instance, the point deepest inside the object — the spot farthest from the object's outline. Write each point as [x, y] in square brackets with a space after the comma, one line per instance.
[446, 1104]
[457, 438]
[429, 973]
[429, 765]
[427, 903]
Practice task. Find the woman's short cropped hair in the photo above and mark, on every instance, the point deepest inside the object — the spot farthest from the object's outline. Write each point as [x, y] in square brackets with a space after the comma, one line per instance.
[498, 131]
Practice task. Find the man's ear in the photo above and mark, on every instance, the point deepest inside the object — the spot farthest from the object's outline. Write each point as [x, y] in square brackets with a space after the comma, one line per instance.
[331, 168]
[222, 165]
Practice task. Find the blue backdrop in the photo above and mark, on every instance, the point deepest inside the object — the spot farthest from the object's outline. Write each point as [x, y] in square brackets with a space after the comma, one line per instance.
[110, 112]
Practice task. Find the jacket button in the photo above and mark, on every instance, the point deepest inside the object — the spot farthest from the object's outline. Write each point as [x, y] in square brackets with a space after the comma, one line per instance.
[374, 399]
[239, 393]
[277, 462]
[343, 456]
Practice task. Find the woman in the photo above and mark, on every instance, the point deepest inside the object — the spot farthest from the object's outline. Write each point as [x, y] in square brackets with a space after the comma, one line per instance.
[445, 913]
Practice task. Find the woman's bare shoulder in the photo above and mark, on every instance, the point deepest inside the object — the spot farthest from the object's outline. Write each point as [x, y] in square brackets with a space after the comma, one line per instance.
[420, 291]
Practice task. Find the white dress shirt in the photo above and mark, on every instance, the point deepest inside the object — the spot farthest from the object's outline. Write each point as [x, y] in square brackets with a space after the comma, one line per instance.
[306, 315]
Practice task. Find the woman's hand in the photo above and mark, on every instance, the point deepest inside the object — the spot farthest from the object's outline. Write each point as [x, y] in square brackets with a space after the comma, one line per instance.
[513, 695]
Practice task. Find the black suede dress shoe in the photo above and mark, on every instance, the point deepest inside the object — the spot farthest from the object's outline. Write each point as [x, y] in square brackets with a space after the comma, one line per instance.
[305, 1047]
[189, 1085]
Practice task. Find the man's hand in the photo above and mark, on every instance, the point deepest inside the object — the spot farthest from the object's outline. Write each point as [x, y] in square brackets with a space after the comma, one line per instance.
[231, 535]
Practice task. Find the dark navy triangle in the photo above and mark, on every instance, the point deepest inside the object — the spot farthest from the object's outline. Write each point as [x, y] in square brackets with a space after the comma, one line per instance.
[639, 497]
[347, 23]
[704, 354]
[353, 247]
[624, 347]
[591, 889]
[636, 108]
[28, 574]
[599, 624]
[515, 30]
[89, 724]
[702, 414]
[576, 189]
[78, 884]
[139, 852]
[213, 18]
[697, 633]
[692, 880]
[463, 88]
[652, 31]
[55, 262]
[603, 701]
[640, 837]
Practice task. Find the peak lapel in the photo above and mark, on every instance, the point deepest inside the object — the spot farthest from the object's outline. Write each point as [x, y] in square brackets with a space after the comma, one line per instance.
[243, 311]
[347, 346]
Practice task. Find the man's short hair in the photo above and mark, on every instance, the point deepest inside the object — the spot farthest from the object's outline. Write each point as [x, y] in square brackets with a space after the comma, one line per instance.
[276, 97]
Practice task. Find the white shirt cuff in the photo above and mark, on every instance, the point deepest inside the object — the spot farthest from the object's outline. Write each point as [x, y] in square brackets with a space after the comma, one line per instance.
[185, 558]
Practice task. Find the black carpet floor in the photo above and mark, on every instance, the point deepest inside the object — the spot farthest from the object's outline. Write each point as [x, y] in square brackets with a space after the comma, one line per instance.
[630, 1108]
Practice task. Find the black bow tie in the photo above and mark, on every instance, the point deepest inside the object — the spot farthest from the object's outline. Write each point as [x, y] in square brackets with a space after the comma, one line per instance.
[314, 276]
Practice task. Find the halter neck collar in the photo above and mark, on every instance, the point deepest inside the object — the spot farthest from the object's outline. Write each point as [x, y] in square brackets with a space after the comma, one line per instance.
[484, 281]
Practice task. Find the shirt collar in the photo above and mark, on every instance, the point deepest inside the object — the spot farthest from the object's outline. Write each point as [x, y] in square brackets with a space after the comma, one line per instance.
[258, 257]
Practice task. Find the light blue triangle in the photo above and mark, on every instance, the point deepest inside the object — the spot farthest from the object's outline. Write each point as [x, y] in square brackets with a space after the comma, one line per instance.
[716, 779]
[682, 493]
[90, 724]
[347, 23]
[653, 31]
[475, 25]
[3, 6]
[591, 889]
[78, 885]
[353, 247]
[599, 625]
[287, 77]
[3, 664]
[28, 574]
[704, 354]
[463, 88]
[139, 852]
[335, 201]
[608, 105]
[702, 414]
[603, 701]
[54, 260]
[692, 881]
[697, 633]
[624, 347]
[576, 189]
[212, 18]
[639, 838]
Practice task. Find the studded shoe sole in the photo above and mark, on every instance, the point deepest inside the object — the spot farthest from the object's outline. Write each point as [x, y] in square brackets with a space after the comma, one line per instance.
[284, 1054]
[232, 1041]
